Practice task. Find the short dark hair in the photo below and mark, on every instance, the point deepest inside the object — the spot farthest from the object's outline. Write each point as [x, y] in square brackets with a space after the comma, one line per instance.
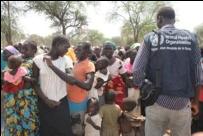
[166, 12]
[95, 101]
[32, 44]
[59, 40]
[86, 46]
[109, 97]
[129, 104]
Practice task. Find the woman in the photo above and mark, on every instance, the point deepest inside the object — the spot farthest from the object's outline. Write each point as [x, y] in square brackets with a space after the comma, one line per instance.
[53, 110]
[117, 72]
[83, 77]
[20, 108]
[29, 49]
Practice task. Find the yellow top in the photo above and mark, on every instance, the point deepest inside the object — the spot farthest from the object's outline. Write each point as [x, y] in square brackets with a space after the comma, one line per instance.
[71, 54]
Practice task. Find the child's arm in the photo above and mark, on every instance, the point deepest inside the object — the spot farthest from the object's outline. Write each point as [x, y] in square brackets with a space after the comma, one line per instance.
[100, 83]
[28, 79]
[89, 120]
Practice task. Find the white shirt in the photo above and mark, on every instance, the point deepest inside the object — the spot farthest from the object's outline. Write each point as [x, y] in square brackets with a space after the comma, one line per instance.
[98, 92]
[89, 129]
[51, 85]
[116, 68]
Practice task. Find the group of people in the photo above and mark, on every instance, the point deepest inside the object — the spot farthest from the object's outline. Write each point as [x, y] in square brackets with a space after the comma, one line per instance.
[76, 92]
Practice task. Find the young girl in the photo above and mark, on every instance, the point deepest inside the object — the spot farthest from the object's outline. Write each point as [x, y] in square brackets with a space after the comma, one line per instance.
[13, 77]
[110, 112]
[92, 118]
[101, 77]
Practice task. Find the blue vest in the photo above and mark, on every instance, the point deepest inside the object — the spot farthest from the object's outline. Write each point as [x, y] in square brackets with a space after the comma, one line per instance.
[176, 56]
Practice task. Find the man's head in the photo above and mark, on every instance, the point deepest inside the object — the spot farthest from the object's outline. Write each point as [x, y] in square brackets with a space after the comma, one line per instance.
[165, 15]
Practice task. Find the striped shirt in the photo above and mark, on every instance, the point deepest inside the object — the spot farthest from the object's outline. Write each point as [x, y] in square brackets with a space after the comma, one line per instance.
[140, 63]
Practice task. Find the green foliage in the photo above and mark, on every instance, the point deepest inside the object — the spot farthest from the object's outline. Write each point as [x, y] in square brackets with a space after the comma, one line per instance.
[118, 41]
[63, 14]
[199, 32]
[93, 36]
[138, 18]
[9, 28]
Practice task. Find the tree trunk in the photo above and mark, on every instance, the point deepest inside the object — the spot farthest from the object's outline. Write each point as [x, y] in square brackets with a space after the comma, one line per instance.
[135, 35]
[63, 29]
[8, 35]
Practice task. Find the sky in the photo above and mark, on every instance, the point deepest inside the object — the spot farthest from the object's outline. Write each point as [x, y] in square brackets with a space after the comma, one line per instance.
[189, 14]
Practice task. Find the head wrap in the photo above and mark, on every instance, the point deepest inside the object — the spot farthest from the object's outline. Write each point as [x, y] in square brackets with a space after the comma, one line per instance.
[12, 50]
[135, 45]
[110, 44]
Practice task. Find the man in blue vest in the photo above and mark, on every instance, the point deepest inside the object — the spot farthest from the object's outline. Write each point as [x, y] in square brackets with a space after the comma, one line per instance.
[179, 58]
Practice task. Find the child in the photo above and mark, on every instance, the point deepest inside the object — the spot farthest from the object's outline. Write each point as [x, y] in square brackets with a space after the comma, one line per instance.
[101, 77]
[92, 118]
[133, 92]
[131, 122]
[110, 112]
[15, 76]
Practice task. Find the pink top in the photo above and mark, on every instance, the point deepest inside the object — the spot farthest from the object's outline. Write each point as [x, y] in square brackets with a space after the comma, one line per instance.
[17, 78]
[128, 66]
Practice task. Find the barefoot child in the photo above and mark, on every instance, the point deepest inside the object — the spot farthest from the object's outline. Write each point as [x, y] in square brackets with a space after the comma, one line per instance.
[131, 122]
[92, 118]
[110, 112]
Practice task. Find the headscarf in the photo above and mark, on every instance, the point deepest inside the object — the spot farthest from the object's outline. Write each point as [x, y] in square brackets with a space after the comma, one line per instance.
[12, 50]
[135, 45]
[110, 44]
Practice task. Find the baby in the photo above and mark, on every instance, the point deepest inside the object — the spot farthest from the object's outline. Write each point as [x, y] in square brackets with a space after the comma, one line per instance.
[15, 77]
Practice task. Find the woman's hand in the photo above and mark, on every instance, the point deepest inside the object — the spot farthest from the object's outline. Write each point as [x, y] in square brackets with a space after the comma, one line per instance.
[48, 60]
[52, 103]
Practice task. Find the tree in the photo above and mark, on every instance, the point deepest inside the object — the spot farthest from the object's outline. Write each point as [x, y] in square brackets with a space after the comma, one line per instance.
[95, 37]
[9, 14]
[63, 14]
[138, 16]
[199, 32]
[127, 34]
[38, 39]
[118, 41]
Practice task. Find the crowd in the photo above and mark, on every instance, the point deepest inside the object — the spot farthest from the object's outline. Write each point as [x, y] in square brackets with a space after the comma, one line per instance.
[91, 91]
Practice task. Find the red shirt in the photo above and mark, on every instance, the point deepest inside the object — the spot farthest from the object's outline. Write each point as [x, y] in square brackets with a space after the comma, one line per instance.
[11, 88]
[201, 94]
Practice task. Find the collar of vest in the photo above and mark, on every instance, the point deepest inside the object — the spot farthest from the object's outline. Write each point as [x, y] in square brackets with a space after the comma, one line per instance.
[168, 26]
